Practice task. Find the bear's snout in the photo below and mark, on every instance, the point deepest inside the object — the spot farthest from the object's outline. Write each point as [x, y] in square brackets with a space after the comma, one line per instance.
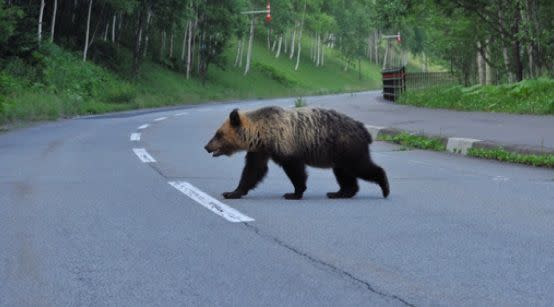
[208, 148]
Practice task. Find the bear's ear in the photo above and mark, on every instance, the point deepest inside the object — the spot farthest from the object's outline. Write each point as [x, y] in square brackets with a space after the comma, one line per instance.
[234, 118]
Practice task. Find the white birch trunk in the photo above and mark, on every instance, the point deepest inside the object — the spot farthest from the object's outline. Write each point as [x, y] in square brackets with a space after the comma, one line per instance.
[239, 45]
[322, 54]
[376, 46]
[53, 24]
[489, 72]
[88, 30]
[318, 50]
[481, 68]
[241, 52]
[146, 36]
[279, 46]
[285, 42]
[250, 41]
[162, 46]
[113, 28]
[273, 46]
[184, 45]
[292, 41]
[189, 50]
[171, 36]
[105, 36]
[41, 14]
[300, 39]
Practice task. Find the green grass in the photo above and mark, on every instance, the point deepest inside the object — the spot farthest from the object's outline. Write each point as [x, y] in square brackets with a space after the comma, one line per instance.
[414, 141]
[503, 155]
[56, 83]
[525, 97]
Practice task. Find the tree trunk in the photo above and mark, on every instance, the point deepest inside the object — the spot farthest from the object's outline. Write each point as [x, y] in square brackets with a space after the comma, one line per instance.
[292, 41]
[88, 30]
[516, 47]
[505, 54]
[189, 49]
[113, 28]
[279, 46]
[376, 46]
[322, 54]
[300, 39]
[184, 45]
[268, 38]
[318, 60]
[138, 42]
[146, 34]
[241, 56]
[250, 41]
[171, 44]
[162, 46]
[285, 47]
[53, 25]
[239, 45]
[41, 14]
[489, 72]
[481, 67]
[73, 12]
[273, 46]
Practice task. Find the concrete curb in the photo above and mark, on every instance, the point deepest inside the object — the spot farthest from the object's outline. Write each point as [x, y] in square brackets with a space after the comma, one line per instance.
[461, 145]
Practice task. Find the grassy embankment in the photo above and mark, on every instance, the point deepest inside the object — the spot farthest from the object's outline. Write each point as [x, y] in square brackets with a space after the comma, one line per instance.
[525, 97]
[55, 83]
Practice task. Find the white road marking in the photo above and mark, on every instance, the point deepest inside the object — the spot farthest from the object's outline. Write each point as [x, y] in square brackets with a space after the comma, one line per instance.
[160, 118]
[143, 155]
[204, 110]
[135, 137]
[143, 126]
[181, 114]
[230, 214]
[500, 178]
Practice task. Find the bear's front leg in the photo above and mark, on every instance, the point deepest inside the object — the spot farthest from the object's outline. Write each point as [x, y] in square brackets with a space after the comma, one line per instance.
[254, 171]
[296, 171]
[233, 195]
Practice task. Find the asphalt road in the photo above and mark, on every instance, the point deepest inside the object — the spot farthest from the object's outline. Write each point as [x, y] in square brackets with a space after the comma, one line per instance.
[83, 221]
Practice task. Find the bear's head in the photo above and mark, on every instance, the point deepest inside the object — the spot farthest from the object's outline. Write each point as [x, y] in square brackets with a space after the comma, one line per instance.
[227, 140]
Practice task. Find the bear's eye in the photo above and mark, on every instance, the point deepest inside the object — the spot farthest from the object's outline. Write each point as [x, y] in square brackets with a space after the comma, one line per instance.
[218, 135]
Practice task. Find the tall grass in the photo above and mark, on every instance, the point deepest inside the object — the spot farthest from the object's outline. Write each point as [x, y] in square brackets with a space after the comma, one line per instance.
[525, 97]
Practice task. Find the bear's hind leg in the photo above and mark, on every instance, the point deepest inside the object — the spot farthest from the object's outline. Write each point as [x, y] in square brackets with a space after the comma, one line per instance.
[347, 182]
[374, 173]
[296, 171]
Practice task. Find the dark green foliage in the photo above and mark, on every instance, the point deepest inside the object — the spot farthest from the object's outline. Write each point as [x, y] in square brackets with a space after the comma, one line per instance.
[15, 37]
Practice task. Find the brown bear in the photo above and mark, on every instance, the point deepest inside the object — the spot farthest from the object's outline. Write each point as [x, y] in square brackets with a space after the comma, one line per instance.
[294, 138]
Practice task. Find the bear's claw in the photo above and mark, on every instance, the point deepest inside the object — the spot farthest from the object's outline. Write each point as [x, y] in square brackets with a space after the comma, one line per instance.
[232, 195]
[292, 196]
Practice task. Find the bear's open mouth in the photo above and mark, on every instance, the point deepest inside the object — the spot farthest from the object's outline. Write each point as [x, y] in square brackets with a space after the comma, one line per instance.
[217, 153]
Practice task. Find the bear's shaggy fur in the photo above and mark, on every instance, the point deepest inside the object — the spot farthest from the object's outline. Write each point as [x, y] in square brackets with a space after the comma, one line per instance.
[294, 138]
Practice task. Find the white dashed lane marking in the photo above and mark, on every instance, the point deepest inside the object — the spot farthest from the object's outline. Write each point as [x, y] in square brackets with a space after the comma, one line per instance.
[181, 114]
[143, 155]
[143, 126]
[135, 137]
[230, 214]
[160, 118]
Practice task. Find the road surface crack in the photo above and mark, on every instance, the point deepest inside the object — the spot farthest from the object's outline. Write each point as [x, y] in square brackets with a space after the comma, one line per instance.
[328, 265]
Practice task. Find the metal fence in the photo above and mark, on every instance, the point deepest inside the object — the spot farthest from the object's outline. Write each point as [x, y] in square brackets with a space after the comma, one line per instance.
[423, 80]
